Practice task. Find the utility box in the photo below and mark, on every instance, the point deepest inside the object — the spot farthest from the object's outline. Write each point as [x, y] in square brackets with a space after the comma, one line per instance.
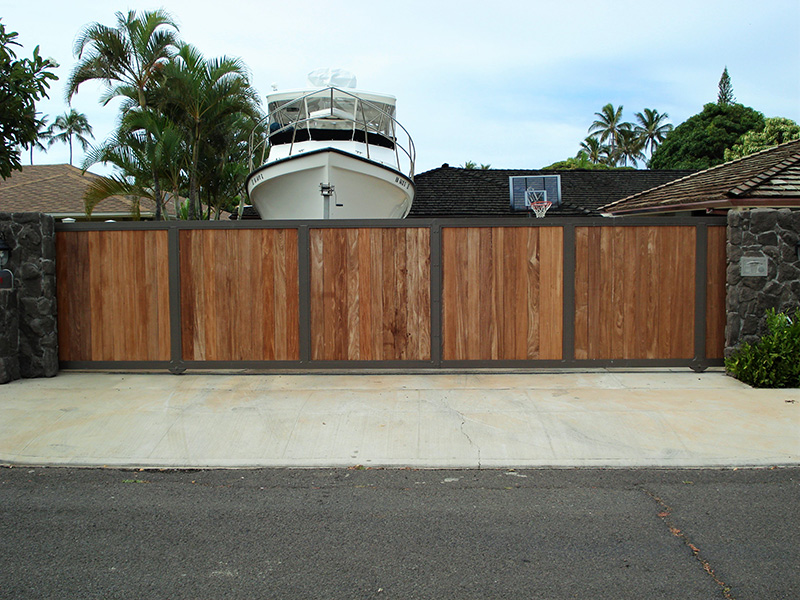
[753, 266]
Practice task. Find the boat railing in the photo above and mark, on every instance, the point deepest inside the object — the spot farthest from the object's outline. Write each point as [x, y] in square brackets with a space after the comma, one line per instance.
[386, 132]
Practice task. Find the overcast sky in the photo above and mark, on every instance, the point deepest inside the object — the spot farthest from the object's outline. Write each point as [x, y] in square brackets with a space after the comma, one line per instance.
[514, 84]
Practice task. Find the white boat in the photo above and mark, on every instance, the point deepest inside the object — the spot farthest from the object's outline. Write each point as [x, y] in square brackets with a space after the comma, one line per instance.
[332, 153]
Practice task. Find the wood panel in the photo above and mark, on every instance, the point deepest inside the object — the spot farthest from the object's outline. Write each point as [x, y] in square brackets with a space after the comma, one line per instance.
[715, 292]
[370, 294]
[239, 294]
[634, 292]
[113, 295]
[502, 293]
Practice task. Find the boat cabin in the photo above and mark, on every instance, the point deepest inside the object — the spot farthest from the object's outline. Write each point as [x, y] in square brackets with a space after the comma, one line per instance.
[332, 114]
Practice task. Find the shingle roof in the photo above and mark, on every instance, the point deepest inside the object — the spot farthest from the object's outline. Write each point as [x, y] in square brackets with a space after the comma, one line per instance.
[57, 190]
[456, 192]
[768, 178]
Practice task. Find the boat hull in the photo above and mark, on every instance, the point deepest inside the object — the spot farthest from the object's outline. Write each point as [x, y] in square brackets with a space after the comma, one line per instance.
[329, 183]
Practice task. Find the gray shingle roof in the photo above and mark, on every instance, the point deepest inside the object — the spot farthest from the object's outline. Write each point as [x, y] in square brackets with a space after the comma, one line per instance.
[456, 192]
[768, 178]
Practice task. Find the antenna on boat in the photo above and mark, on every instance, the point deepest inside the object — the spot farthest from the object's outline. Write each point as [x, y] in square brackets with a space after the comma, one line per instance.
[274, 87]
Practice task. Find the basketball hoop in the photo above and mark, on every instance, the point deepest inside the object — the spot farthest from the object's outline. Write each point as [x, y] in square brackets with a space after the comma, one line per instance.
[537, 201]
[540, 207]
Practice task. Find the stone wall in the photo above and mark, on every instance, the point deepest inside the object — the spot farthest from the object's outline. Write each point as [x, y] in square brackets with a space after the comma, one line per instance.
[9, 337]
[762, 234]
[33, 263]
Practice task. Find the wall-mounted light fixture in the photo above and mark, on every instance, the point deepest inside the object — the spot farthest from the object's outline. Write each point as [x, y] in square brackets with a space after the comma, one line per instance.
[797, 250]
[5, 252]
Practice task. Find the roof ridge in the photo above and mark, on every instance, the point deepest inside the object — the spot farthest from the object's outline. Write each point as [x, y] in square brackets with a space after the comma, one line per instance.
[756, 180]
[23, 183]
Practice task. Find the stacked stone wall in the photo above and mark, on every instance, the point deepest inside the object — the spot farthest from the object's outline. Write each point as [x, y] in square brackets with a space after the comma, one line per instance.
[757, 234]
[33, 297]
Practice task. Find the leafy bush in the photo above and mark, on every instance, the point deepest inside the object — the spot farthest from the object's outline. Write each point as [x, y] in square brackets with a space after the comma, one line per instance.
[774, 361]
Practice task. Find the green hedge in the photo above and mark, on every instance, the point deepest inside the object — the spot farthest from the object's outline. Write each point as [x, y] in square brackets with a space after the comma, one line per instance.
[774, 361]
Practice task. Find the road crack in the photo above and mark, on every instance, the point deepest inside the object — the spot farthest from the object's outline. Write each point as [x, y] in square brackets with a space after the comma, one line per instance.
[665, 514]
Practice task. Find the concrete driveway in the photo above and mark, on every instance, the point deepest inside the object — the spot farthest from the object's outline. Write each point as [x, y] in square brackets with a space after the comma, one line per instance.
[603, 418]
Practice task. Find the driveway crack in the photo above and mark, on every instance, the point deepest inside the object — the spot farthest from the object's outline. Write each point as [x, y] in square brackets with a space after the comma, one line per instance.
[444, 402]
[469, 439]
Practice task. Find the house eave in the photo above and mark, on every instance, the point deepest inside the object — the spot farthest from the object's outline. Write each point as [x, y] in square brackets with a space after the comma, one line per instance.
[727, 203]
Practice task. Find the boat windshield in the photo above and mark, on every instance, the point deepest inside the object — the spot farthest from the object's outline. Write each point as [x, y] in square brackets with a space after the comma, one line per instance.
[332, 109]
[335, 114]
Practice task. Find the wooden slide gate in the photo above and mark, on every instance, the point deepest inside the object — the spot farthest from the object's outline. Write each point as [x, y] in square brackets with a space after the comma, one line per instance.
[405, 294]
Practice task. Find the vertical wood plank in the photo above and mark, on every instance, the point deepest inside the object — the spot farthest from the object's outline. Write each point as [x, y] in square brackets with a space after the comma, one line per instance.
[352, 295]
[290, 302]
[581, 293]
[551, 283]
[499, 303]
[73, 294]
[715, 292]
[535, 251]
[485, 293]
[367, 288]
[632, 257]
[317, 294]
[400, 349]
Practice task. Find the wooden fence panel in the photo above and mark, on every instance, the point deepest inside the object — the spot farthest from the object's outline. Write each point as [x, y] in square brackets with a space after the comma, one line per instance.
[634, 292]
[502, 295]
[370, 294]
[113, 296]
[239, 294]
[366, 292]
[715, 292]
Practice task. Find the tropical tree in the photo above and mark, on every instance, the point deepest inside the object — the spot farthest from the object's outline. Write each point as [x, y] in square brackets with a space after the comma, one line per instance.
[67, 126]
[198, 95]
[145, 145]
[580, 161]
[592, 149]
[608, 125]
[128, 59]
[42, 136]
[129, 154]
[652, 127]
[224, 161]
[23, 82]
[630, 147]
[777, 130]
[700, 141]
[472, 165]
[725, 87]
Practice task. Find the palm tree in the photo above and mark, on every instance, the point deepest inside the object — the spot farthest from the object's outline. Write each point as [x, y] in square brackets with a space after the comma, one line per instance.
[607, 126]
[224, 160]
[43, 134]
[127, 153]
[146, 145]
[592, 149]
[630, 147]
[67, 126]
[652, 128]
[127, 59]
[199, 94]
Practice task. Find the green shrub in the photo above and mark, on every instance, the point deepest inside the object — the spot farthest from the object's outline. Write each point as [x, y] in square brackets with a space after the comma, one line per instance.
[774, 361]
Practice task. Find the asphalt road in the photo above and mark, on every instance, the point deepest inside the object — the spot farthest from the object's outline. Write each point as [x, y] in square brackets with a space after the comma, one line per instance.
[550, 534]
